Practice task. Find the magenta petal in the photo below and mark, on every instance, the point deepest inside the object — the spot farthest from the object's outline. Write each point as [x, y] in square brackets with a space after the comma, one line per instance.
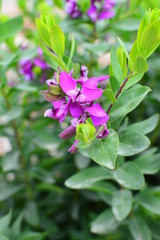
[90, 83]
[99, 120]
[73, 148]
[92, 13]
[59, 103]
[68, 132]
[96, 110]
[49, 113]
[67, 83]
[91, 94]
[75, 110]
[106, 15]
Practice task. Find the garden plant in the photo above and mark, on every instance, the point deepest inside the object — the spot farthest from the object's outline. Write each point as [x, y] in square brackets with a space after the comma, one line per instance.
[79, 120]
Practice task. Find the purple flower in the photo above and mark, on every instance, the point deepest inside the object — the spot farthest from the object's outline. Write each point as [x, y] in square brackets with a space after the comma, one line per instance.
[97, 114]
[88, 91]
[103, 12]
[77, 100]
[73, 148]
[98, 10]
[26, 69]
[59, 111]
[72, 9]
[26, 66]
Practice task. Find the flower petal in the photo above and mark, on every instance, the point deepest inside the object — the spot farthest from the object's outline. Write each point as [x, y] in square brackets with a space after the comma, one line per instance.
[66, 82]
[96, 110]
[48, 113]
[75, 110]
[106, 15]
[99, 120]
[91, 94]
[73, 148]
[59, 103]
[68, 132]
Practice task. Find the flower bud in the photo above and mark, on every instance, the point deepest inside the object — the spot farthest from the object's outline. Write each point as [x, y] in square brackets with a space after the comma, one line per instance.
[49, 97]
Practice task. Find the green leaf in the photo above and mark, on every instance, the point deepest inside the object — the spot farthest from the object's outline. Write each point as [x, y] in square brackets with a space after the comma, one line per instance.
[124, 49]
[87, 177]
[4, 222]
[121, 204]
[32, 214]
[54, 60]
[104, 223]
[140, 65]
[116, 69]
[43, 31]
[72, 51]
[57, 40]
[10, 28]
[129, 176]
[147, 125]
[133, 80]
[127, 102]
[110, 95]
[132, 142]
[148, 162]
[139, 229]
[104, 151]
[150, 39]
[50, 61]
[114, 84]
[143, 25]
[29, 235]
[149, 202]
[76, 70]
[16, 227]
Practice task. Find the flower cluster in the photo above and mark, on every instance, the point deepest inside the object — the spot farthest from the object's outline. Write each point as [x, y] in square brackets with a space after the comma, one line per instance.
[76, 98]
[27, 66]
[98, 10]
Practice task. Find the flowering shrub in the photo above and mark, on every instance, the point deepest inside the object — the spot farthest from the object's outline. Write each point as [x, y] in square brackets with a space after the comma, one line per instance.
[79, 154]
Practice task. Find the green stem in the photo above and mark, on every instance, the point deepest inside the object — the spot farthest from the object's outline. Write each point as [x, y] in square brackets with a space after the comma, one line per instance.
[19, 145]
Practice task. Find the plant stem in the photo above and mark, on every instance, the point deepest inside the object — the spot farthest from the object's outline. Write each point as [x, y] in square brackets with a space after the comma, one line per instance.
[119, 92]
[19, 145]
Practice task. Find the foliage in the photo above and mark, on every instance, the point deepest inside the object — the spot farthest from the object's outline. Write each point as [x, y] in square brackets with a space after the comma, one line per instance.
[109, 188]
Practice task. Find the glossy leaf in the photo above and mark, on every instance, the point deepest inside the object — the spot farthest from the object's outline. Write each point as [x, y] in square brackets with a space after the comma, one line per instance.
[129, 176]
[104, 223]
[87, 177]
[4, 222]
[104, 151]
[139, 229]
[110, 95]
[127, 102]
[121, 204]
[149, 202]
[132, 142]
[148, 162]
[146, 126]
